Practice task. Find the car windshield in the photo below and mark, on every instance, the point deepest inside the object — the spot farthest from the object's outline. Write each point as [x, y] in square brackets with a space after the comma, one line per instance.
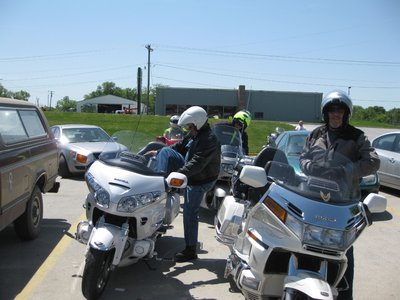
[295, 144]
[83, 135]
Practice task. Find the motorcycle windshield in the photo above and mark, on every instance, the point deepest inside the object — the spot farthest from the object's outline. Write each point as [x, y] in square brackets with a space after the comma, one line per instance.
[229, 138]
[328, 176]
[131, 143]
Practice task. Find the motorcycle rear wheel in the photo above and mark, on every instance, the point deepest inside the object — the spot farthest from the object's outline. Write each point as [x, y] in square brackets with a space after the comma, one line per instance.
[96, 273]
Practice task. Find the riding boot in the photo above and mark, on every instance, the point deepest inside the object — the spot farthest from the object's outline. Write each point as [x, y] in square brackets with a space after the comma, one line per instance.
[189, 253]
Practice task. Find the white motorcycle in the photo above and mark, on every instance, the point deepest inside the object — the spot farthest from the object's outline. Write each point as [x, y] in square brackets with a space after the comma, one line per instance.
[128, 207]
[231, 153]
[291, 243]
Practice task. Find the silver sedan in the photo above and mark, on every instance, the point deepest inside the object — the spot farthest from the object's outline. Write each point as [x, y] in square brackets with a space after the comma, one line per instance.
[388, 148]
[80, 145]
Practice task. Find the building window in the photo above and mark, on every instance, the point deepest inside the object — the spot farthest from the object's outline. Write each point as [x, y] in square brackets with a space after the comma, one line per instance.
[258, 115]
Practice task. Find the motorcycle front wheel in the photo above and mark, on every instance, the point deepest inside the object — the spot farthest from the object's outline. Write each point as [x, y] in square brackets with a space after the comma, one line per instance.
[291, 294]
[96, 273]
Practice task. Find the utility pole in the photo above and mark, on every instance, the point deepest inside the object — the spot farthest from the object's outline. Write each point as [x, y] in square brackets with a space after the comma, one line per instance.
[51, 97]
[139, 91]
[348, 91]
[149, 49]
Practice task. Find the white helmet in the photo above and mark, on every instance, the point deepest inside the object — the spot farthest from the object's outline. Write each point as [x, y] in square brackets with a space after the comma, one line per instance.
[173, 121]
[193, 115]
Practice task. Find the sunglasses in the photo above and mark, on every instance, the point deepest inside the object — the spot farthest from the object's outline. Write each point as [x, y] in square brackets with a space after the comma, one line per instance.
[336, 109]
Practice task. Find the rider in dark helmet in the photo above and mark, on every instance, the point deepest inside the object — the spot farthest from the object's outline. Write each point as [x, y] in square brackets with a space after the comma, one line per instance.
[338, 136]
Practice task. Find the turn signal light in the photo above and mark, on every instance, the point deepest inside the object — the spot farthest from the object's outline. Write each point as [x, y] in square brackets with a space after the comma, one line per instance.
[176, 182]
[275, 208]
[81, 158]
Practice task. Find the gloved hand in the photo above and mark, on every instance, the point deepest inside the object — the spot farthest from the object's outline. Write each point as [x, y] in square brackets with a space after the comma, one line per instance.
[315, 169]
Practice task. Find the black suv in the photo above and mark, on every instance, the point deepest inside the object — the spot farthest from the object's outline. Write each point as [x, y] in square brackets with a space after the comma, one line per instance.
[28, 166]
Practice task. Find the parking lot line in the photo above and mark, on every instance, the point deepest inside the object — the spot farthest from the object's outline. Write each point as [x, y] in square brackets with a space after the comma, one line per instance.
[48, 264]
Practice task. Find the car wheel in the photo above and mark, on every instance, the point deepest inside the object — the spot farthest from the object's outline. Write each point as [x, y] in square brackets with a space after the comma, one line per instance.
[63, 170]
[27, 226]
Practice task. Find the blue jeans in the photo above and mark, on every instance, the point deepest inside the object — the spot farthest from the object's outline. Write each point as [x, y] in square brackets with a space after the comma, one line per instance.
[168, 160]
[193, 196]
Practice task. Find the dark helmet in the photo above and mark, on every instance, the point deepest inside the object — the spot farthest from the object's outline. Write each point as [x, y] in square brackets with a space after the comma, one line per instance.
[337, 98]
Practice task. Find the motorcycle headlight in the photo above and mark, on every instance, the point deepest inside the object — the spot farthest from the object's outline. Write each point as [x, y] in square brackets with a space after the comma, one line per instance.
[307, 233]
[324, 237]
[131, 203]
[101, 196]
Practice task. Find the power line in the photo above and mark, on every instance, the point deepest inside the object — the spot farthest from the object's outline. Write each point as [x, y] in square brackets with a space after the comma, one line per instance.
[282, 57]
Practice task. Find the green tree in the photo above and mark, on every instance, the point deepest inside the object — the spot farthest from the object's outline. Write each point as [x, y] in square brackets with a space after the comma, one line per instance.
[66, 104]
[394, 115]
[109, 88]
[20, 95]
[152, 97]
[4, 92]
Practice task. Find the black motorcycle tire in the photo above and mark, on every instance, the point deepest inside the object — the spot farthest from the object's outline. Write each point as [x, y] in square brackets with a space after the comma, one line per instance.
[27, 226]
[96, 273]
[291, 294]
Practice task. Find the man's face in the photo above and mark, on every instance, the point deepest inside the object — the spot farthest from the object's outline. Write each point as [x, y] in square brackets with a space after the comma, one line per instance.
[192, 129]
[238, 125]
[335, 114]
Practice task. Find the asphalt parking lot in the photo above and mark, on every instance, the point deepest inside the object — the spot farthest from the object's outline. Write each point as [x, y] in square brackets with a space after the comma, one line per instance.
[50, 267]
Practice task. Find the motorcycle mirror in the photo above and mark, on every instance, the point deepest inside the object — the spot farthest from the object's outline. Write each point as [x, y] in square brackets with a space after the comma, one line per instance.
[177, 180]
[253, 176]
[375, 203]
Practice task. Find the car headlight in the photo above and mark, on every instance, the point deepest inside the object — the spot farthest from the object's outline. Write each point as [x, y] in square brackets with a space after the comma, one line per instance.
[227, 168]
[101, 196]
[131, 203]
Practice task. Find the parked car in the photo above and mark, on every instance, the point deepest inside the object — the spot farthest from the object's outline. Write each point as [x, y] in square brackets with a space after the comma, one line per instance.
[292, 143]
[28, 166]
[388, 148]
[80, 145]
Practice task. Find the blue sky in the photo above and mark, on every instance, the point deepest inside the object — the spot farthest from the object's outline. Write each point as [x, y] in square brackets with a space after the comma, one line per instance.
[71, 47]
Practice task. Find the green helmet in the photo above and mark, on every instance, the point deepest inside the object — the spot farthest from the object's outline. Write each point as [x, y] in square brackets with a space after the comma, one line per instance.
[243, 117]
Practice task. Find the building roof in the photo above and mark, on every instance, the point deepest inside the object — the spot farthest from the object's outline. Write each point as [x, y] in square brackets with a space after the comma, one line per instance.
[107, 99]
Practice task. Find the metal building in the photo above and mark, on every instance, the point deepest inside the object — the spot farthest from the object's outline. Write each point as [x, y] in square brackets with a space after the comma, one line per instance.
[108, 104]
[264, 105]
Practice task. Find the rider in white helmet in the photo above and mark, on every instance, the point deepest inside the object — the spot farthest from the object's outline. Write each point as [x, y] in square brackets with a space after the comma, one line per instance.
[174, 132]
[199, 156]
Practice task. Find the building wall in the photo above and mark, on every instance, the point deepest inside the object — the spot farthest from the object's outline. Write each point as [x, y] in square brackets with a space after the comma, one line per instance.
[265, 105]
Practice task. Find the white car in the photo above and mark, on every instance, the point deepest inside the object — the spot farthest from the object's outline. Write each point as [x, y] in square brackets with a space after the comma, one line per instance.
[388, 148]
[80, 145]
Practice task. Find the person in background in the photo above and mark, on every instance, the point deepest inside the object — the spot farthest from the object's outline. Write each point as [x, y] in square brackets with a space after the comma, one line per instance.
[241, 120]
[300, 126]
[198, 156]
[174, 131]
[338, 136]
